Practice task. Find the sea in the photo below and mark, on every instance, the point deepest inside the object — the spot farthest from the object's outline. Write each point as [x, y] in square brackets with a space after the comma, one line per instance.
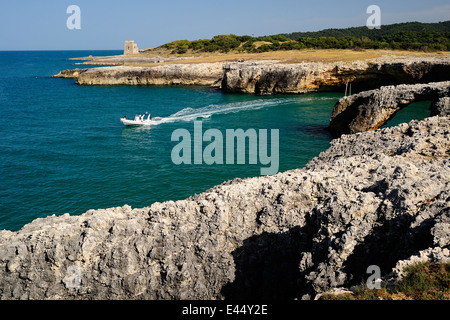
[64, 150]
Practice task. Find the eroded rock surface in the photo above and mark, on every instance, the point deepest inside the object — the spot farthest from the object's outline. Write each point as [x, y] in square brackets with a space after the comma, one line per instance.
[369, 110]
[377, 197]
[206, 74]
[273, 76]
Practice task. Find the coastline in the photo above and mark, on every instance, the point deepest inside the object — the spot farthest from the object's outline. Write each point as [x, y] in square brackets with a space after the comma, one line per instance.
[377, 197]
[226, 158]
[266, 76]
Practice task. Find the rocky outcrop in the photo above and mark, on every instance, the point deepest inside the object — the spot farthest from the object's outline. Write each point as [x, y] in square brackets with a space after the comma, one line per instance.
[374, 198]
[369, 110]
[71, 74]
[207, 74]
[271, 78]
[440, 107]
[274, 77]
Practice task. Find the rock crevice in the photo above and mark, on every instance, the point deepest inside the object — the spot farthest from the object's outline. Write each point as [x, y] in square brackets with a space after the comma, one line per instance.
[379, 197]
[265, 78]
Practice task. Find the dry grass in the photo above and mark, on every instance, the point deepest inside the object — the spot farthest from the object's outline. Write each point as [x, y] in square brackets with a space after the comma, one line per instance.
[290, 56]
[283, 56]
[258, 44]
[424, 281]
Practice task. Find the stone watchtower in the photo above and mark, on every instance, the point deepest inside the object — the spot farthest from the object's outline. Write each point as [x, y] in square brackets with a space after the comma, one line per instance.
[130, 47]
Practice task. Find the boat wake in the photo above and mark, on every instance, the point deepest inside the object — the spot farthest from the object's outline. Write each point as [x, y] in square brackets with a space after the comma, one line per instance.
[190, 114]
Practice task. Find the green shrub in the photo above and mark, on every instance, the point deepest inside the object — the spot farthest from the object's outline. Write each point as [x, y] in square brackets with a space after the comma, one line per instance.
[423, 281]
[406, 36]
[426, 281]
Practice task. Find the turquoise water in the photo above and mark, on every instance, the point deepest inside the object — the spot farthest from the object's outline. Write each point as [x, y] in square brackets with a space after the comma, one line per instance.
[417, 111]
[63, 148]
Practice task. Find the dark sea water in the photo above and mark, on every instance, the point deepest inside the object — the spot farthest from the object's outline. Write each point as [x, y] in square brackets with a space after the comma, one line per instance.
[64, 150]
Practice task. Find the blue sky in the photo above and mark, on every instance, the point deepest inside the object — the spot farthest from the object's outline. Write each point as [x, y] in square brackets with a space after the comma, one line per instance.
[41, 25]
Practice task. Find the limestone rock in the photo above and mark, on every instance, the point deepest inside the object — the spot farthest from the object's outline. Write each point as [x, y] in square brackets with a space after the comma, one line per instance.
[266, 76]
[370, 110]
[70, 73]
[273, 78]
[374, 198]
[436, 255]
[208, 74]
[440, 107]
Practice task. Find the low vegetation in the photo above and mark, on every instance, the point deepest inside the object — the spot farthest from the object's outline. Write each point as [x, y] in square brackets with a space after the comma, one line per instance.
[405, 36]
[423, 281]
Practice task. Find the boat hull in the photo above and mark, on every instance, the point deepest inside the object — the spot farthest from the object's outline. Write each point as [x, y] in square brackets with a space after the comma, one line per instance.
[128, 122]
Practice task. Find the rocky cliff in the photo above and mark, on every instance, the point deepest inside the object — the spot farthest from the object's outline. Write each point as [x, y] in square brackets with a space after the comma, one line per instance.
[375, 198]
[369, 110]
[206, 74]
[313, 77]
[273, 77]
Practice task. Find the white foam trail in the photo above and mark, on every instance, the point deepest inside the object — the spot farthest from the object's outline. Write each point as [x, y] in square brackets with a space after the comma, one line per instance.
[189, 114]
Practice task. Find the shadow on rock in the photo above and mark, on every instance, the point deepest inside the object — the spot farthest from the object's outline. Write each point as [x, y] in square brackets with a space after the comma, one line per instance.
[388, 243]
[267, 266]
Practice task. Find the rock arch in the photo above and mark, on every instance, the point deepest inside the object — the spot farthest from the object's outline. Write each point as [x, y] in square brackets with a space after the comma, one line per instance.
[369, 110]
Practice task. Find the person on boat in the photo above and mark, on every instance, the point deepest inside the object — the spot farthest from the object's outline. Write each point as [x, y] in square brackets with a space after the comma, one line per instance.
[125, 117]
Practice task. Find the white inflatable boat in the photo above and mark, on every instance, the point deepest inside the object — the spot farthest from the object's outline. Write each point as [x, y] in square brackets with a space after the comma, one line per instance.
[129, 122]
